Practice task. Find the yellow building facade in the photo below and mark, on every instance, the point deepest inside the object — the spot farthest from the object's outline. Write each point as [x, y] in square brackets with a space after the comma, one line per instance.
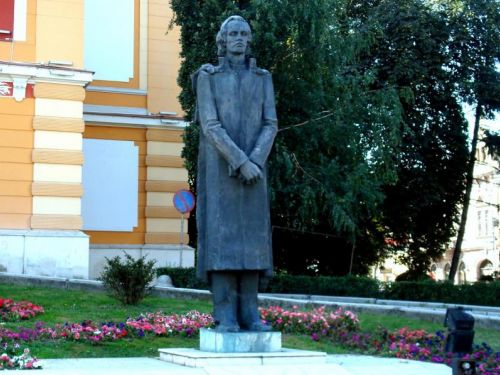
[90, 135]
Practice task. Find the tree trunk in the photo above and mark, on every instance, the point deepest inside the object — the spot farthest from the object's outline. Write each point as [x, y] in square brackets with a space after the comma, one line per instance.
[468, 188]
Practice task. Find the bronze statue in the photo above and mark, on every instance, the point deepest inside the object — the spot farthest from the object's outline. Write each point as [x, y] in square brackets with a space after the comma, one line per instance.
[236, 110]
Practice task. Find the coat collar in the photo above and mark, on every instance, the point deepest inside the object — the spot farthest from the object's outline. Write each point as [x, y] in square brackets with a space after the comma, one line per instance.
[224, 65]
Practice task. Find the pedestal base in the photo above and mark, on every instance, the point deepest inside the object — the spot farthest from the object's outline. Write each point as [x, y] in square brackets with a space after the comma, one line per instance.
[239, 342]
[198, 358]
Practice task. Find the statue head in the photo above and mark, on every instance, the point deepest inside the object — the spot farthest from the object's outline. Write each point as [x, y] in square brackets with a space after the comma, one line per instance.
[222, 35]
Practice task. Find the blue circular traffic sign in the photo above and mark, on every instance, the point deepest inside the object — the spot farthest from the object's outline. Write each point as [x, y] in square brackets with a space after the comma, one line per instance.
[184, 201]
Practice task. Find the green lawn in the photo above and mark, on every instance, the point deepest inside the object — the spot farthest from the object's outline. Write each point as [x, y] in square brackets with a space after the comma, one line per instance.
[76, 306]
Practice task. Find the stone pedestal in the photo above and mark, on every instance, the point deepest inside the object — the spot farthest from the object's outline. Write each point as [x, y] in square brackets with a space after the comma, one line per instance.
[198, 358]
[239, 342]
[240, 349]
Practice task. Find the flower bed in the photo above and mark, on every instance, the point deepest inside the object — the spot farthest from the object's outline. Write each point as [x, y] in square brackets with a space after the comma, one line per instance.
[316, 323]
[187, 325]
[13, 357]
[341, 326]
[418, 345]
[14, 311]
[157, 324]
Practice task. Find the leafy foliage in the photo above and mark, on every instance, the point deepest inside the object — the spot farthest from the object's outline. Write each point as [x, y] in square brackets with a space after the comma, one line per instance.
[492, 141]
[128, 281]
[476, 47]
[371, 154]
[327, 173]
[411, 53]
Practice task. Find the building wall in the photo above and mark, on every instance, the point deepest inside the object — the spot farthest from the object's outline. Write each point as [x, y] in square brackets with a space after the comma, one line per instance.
[16, 168]
[59, 31]
[161, 174]
[163, 59]
[156, 64]
[40, 170]
[57, 156]
[42, 135]
[481, 243]
[165, 175]
[154, 89]
[23, 49]
[138, 136]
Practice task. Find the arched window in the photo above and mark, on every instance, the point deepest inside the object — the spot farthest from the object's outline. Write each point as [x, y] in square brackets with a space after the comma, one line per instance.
[446, 271]
[432, 272]
[462, 278]
[485, 270]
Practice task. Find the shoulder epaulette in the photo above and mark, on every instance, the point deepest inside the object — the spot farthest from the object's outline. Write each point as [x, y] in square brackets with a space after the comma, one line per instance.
[261, 72]
[208, 68]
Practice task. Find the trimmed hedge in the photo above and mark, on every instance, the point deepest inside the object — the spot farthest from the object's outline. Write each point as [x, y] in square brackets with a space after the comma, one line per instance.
[352, 286]
[480, 293]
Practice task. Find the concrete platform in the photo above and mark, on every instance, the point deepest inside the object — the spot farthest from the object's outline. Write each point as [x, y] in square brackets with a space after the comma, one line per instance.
[335, 365]
[198, 358]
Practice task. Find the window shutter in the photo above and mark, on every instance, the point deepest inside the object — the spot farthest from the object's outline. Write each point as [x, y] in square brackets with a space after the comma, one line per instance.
[6, 19]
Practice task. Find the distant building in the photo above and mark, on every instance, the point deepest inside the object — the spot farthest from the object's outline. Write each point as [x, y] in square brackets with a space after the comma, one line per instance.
[90, 135]
[481, 245]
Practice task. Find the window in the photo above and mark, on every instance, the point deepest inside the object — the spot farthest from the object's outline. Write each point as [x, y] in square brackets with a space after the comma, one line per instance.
[485, 270]
[484, 223]
[6, 19]
[462, 276]
[109, 39]
[446, 271]
[110, 174]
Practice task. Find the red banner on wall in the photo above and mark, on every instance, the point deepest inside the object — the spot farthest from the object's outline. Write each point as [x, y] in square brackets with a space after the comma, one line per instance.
[7, 89]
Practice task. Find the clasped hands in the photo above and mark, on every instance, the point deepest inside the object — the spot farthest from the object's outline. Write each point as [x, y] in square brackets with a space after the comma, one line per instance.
[250, 172]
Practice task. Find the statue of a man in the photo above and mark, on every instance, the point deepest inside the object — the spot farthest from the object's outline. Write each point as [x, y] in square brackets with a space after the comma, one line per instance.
[236, 110]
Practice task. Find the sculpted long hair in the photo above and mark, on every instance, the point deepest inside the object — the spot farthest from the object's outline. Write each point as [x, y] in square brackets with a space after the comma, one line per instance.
[221, 39]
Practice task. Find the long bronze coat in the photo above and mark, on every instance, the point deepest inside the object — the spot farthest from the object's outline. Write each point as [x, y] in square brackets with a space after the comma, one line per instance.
[237, 113]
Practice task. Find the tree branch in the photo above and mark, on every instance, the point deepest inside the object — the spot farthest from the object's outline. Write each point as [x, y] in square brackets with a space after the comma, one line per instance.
[328, 114]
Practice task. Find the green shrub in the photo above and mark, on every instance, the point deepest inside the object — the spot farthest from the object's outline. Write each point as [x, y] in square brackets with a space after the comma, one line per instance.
[128, 281]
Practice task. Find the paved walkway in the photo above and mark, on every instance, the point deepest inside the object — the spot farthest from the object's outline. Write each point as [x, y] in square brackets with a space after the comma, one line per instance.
[336, 365]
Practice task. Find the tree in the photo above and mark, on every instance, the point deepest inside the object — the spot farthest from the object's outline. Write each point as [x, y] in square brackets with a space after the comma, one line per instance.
[339, 135]
[492, 142]
[412, 53]
[476, 45]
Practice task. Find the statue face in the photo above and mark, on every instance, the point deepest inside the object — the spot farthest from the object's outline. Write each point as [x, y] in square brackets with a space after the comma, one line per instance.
[238, 36]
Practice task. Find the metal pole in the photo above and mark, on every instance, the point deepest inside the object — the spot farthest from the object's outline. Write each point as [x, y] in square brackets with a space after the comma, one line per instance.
[182, 240]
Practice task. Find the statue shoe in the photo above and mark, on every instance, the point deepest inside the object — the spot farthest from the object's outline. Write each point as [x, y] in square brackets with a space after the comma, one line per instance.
[259, 327]
[227, 328]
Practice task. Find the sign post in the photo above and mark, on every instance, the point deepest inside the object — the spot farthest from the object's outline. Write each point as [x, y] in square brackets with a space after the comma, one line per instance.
[184, 202]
